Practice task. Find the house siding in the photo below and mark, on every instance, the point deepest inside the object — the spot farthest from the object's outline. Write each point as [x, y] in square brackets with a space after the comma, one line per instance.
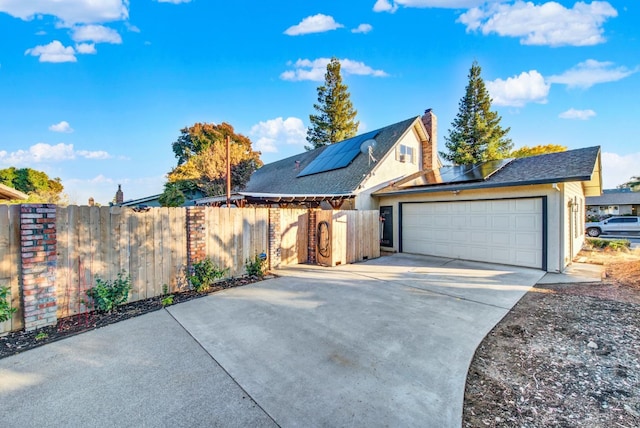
[574, 218]
[389, 169]
[555, 250]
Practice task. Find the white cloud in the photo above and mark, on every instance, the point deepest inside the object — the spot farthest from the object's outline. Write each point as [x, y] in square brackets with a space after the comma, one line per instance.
[42, 152]
[392, 5]
[518, 90]
[588, 73]
[61, 127]
[362, 28]
[313, 24]
[96, 154]
[577, 114]
[69, 12]
[617, 169]
[96, 34]
[276, 132]
[305, 69]
[86, 48]
[53, 52]
[549, 24]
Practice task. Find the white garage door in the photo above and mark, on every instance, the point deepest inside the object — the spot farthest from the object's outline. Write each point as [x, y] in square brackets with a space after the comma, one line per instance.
[506, 231]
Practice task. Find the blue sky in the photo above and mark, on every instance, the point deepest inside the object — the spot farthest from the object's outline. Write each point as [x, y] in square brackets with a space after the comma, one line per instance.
[95, 91]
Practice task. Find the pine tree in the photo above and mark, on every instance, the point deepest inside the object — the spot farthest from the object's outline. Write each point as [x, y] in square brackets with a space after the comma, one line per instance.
[476, 135]
[335, 121]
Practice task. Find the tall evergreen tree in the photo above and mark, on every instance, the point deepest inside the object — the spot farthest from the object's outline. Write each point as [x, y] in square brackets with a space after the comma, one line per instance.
[476, 135]
[335, 120]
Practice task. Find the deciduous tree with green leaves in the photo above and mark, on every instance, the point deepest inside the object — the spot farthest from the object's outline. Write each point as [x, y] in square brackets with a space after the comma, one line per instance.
[476, 134]
[202, 152]
[36, 184]
[335, 120]
[526, 151]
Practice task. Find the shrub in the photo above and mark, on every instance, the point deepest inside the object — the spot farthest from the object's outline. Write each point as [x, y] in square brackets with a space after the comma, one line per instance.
[167, 300]
[257, 266]
[5, 308]
[106, 295]
[204, 274]
[613, 244]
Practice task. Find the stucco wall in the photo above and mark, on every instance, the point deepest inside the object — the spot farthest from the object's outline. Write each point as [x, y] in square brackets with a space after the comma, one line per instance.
[574, 203]
[555, 212]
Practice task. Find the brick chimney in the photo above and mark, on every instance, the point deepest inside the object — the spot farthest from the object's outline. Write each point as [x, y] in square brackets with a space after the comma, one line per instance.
[430, 158]
[119, 195]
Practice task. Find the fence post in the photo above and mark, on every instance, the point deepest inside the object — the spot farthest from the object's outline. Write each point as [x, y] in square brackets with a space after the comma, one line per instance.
[311, 249]
[38, 265]
[275, 238]
[196, 244]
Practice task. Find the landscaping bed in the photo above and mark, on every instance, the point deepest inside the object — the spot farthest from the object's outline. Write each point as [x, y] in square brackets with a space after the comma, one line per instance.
[19, 341]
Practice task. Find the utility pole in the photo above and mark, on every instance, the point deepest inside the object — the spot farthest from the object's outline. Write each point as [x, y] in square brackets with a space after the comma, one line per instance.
[228, 171]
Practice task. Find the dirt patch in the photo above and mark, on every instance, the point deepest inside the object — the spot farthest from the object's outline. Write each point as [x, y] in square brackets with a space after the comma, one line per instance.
[567, 355]
[20, 341]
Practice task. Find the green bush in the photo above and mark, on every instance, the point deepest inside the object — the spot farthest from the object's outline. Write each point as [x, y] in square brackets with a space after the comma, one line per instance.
[204, 274]
[5, 308]
[106, 295]
[257, 266]
[613, 244]
[167, 300]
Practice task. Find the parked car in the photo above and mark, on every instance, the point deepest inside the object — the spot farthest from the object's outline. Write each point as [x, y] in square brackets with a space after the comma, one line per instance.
[614, 225]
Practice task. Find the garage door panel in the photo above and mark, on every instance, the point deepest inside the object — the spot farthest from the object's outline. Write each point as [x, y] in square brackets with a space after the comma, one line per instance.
[498, 231]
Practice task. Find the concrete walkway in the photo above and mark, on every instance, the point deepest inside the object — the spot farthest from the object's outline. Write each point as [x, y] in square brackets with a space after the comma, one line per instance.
[382, 343]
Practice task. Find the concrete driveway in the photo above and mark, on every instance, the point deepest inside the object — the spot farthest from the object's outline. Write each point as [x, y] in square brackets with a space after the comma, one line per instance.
[382, 343]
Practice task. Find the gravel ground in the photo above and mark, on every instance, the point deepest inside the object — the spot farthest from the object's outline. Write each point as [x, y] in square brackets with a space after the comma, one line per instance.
[567, 355]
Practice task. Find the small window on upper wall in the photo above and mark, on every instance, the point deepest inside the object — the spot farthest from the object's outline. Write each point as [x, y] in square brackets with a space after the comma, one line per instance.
[405, 154]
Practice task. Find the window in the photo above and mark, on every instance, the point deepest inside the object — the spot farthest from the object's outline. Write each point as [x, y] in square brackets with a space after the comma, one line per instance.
[405, 154]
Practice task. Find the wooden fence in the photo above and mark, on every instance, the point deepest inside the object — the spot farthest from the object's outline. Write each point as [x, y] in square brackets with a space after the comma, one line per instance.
[235, 236]
[100, 242]
[294, 232]
[9, 262]
[151, 246]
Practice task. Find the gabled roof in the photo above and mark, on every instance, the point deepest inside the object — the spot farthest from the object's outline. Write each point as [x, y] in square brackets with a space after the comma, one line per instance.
[281, 177]
[617, 198]
[573, 165]
[7, 192]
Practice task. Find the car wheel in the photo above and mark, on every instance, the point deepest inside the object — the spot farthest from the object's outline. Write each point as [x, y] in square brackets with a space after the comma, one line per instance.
[594, 232]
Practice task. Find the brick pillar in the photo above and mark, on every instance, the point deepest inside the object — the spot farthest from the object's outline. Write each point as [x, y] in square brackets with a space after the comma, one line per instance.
[275, 238]
[311, 249]
[196, 244]
[38, 265]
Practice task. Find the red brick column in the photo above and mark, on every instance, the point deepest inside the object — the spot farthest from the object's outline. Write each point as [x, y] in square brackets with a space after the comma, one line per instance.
[196, 244]
[275, 238]
[311, 249]
[38, 265]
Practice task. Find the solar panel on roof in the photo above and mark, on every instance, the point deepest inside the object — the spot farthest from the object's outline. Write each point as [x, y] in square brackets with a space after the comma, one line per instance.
[457, 174]
[337, 155]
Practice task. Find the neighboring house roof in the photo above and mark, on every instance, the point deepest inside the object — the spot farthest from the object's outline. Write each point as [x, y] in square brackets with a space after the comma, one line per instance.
[617, 198]
[281, 177]
[140, 201]
[7, 193]
[573, 165]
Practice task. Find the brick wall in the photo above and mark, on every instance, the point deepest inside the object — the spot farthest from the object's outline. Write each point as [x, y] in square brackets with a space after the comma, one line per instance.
[275, 239]
[311, 249]
[38, 265]
[196, 243]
